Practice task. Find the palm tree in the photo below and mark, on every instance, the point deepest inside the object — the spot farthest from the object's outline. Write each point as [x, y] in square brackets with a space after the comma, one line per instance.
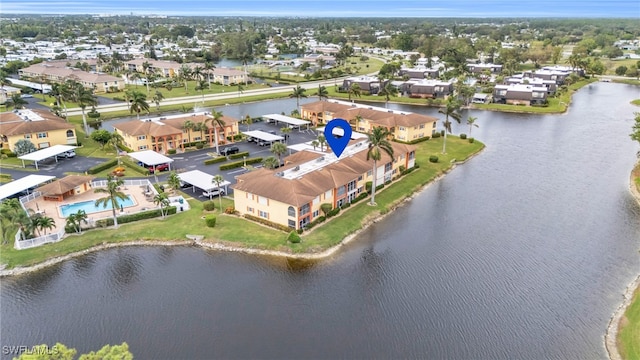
[145, 68]
[315, 143]
[286, 131]
[184, 74]
[197, 73]
[76, 220]
[43, 223]
[246, 57]
[200, 127]
[279, 149]
[17, 101]
[471, 121]
[84, 98]
[218, 179]
[174, 181]
[298, 93]
[138, 102]
[354, 122]
[162, 201]
[201, 86]
[378, 143]
[157, 97]
[322, 140]
[113, 194]
[116, 140]
[240, 89]
[388, 90]
[189, 126]
[216, 121]
[208, 67]
[271, 162]
[451, 109]
[248, 120]
[354, 90]
[12, 215]
[322, 92]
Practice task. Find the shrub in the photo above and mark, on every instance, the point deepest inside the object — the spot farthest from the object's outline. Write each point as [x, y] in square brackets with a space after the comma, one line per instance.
[433, 159]
[209, 205]
[239, 155]
[171, 151]
[441, 132]
[135, 217]
[210, 220]
[387, 182]
[463, 136]
[215, 160]
[293, 237]
[199, 146]
[300, 231]
[102, 166]
[230, 210]
[379, 187]
[436, 135]
[368, 185]
[471, 140]
[333, 212]
[414, 141]
[325, 208]
[267, 222]
[238, 164]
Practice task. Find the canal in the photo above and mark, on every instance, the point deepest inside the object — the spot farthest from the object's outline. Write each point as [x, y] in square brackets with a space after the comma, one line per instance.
[523, 252]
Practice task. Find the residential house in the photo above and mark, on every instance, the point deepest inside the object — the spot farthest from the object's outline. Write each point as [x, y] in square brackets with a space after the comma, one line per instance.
[481, 68]
[165, 68]
[292, 195]
[6, 92]
[427, 88]
[163, 133]
[98, 82]
[228, 76]
[42, 128]
[519, 94]
[403, 125]
[420, 72]
[368, 84]
[67, 186]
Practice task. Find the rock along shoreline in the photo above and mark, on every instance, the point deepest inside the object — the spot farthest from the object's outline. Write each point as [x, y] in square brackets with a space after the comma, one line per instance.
[224, 247]
[611, 336]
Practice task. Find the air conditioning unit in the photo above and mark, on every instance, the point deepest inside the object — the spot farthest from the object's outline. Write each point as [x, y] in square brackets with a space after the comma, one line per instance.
[280, 174]
[296, 168]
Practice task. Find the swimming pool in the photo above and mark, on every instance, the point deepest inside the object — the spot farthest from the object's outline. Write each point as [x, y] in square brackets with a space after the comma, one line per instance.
[90, 207]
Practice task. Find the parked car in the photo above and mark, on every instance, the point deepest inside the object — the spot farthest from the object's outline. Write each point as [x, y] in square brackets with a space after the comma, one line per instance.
[212, 193]
[271, 132]
[159, 167]
[252, 139]
[229, 150]
[264, 143]
[67, 154]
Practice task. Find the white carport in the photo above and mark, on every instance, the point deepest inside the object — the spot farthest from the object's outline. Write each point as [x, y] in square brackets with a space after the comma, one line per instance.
[22, 184]
[340, 132]
[151, 158]
[46, 153]
[288, 120]
[202, 180]
[265, 136]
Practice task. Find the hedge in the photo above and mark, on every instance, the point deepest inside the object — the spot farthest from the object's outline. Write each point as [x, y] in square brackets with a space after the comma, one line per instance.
[238, 164]
[210, 220]
[215, 160]
[433, 159]
[293, 237]
[135, 167]
[239, 155]
[415, 141]
[102, 166]
[123, 219]
[267, 222]
[209, 205]
[171, 151]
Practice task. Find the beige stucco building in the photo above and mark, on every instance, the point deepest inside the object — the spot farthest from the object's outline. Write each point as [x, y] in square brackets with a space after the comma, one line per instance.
[292, 195]
[172, 132]
[403, 125]
[42, 128]
[53, 73]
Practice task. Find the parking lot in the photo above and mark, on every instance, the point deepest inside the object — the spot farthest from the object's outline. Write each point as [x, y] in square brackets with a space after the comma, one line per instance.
[191, 160]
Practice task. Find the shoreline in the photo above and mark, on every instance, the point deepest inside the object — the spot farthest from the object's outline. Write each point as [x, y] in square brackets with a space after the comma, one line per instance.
[223, 247]
[611, 335]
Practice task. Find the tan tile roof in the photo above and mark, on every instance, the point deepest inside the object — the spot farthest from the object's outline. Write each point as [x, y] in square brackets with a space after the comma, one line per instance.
[65, 72]
[11, 124]
[322, 106]
[65, 184]
[386, 119]
[302, 190]
[171, 126]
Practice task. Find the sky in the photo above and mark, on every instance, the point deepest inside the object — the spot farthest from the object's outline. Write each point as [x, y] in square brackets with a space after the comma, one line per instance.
[332, 8]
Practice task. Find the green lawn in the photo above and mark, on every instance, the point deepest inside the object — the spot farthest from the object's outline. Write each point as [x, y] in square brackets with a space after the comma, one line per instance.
[237, 231]
[629, 333]
[636, 102]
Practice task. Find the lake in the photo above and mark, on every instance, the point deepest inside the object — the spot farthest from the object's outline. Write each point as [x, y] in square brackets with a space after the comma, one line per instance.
[523, 252]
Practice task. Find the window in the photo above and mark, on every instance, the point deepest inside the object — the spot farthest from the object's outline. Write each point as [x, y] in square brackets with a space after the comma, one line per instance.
[70, 134]
[351, 186]
[249, 209]
[387, 167]
[316, 200]
[369, 173]
[360, 178]
[263, 214]
[142, 137]
[27, 136]
[422, 126]
[328, 194]
[143, 147]
[316, 213]
[304, 209]
[291, 224]
[341, 190]
[402, 128]
[434, 124]
[263, 200]
[42, 135]
[291, 211]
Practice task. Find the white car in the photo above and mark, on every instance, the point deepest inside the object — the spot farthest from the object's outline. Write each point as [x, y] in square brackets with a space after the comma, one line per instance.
[213, 192]
[67, 154]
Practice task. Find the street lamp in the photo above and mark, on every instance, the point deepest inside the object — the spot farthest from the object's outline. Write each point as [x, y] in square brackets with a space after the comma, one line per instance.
[244, 158]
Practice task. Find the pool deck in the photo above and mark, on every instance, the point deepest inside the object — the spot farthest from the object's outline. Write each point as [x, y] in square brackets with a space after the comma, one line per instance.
[52, 208]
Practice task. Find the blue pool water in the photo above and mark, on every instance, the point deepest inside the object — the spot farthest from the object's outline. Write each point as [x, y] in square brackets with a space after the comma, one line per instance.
[90, 207]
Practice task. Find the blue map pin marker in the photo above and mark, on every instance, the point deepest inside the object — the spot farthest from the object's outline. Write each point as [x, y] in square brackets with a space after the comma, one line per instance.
[337, 144]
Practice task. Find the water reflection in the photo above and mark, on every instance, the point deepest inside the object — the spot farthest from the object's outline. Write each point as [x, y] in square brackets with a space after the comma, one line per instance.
[124, 271]
[83, 265]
